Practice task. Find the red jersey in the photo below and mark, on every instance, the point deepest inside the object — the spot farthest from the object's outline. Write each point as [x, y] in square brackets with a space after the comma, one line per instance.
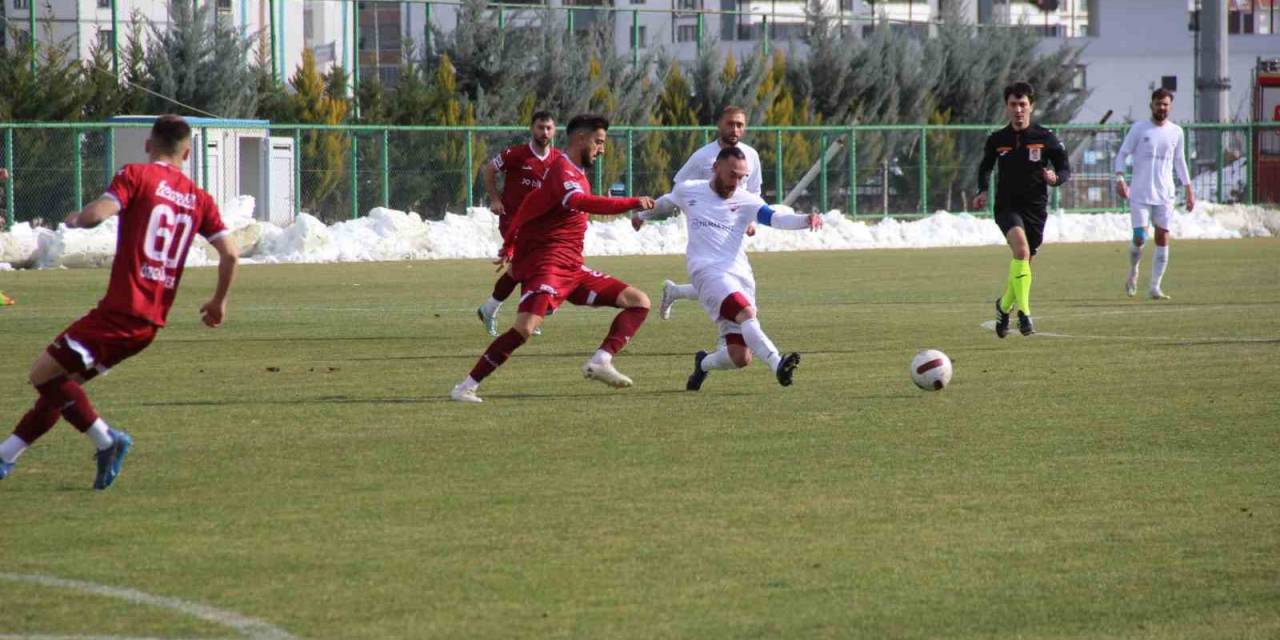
[522, 170]
[160, 208]
[549, 226]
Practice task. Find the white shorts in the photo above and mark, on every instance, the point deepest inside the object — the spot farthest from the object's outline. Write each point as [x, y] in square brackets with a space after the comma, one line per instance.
[714, 287]
[1157, 214]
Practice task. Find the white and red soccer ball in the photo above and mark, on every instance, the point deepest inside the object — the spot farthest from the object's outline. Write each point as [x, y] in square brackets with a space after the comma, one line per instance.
[931, 370]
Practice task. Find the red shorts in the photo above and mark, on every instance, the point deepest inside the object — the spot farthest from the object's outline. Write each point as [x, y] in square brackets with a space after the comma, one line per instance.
[504, 221]
[100, 340]
[543, 293]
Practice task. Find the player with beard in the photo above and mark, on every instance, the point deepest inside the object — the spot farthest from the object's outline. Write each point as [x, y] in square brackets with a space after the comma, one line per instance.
[1156, 146]
[543, 245]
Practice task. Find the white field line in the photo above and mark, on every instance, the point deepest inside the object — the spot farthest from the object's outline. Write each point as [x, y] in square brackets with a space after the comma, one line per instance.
[248, 627]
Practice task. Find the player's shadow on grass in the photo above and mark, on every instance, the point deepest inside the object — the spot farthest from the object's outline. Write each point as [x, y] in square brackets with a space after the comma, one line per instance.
[423, 399]
[522, 355]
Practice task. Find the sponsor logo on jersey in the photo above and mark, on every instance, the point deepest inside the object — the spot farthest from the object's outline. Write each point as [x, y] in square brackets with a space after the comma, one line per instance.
[184, 200]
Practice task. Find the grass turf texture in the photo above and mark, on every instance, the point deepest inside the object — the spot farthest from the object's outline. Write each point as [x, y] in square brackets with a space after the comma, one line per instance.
[302, 466]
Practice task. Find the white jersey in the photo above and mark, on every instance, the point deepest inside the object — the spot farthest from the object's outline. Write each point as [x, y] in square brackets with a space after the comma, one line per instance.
[1157, 151]
[717, 226]
[698, 167]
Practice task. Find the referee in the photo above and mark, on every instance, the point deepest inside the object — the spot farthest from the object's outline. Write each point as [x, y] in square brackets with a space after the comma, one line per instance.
[1031, 160]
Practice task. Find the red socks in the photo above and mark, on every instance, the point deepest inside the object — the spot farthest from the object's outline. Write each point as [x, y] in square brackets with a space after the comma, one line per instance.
[625, 325]
[497, 353]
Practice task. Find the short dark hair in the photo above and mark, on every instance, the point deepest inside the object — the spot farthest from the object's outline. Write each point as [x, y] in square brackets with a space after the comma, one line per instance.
[1161, 93]
[169, 132]
[730, 152]
[1021, 90]
[587, 122]
[541, 116]
[731, 109]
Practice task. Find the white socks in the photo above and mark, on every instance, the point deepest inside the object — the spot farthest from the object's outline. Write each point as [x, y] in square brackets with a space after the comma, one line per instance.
[760, 344]
[601, 357]
[99, 434]
[11, 448]
[718, 359]
[1158, 264]
[491, 306]
[1135, 258]
[684, 292]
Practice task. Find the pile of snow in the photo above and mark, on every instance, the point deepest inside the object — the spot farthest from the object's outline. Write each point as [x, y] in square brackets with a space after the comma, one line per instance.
[387, 234]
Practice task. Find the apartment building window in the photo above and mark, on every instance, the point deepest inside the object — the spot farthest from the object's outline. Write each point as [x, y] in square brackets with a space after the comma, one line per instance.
[637, 1]
[224, 7]
[21, 4]
[688, 5]
[687, 33]
[104, 4]
[1246, 17]
[105, 36]
[643, 39]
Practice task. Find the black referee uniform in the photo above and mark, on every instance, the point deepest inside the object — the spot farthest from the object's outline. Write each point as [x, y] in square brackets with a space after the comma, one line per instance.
[1022, 197]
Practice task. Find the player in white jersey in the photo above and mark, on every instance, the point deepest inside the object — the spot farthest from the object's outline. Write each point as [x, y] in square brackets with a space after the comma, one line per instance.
[719, 211]
[1157, 148]
[730, 126]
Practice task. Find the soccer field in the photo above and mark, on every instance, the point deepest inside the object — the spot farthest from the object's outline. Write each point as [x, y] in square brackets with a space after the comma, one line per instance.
[301, 471]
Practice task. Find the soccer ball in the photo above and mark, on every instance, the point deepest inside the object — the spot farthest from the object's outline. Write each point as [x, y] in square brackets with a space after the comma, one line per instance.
[931, 370]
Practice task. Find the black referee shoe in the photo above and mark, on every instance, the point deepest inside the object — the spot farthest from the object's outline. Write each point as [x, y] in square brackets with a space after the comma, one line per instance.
[787, 368]
[1024, 324]
[698, 376]
[1002, 321]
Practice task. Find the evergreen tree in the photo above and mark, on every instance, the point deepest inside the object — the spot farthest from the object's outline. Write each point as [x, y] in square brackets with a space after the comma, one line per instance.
[201, 63]
[324, 153]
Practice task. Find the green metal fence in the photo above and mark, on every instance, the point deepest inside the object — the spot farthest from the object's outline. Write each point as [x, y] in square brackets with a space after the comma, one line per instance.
[341, 172]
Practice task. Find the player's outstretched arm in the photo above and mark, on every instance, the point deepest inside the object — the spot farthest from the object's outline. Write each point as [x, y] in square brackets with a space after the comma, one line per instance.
[1061, 171]
[783, 220]
[215, 310]
[606, 206]
[93, 213]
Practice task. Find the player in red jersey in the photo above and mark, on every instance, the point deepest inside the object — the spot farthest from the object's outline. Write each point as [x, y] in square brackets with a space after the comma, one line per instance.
[160, 210]
[523, 166]
[543, 245]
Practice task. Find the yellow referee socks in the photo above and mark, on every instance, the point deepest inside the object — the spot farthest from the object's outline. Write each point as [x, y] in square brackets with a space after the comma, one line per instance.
[1020, 282]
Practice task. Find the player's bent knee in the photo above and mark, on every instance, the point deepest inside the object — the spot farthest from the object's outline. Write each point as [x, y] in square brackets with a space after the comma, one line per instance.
[1139, 236]
[740, 355]
[632, 297]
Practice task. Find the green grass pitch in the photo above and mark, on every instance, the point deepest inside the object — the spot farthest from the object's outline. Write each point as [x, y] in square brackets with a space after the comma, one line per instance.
[302, 465]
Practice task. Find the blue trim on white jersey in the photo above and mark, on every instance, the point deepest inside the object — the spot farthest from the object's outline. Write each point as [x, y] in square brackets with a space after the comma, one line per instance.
[765, 215]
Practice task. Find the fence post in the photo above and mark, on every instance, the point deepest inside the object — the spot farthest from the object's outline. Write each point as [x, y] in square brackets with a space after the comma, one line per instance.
[8, 184]
[822, 176]
[777, 163]
[597, 178]
[429, 36]
[631, 165]
[1248, 169]
[115, 40]
[635, 38]
[355, 173]
[764, 23]
[355, 61]
[852, 147]
[699, 32]
[109, 158]
[78, 163]
[386, 169]
[31, 33]
[1222, 159]
[204, 158]
[470, 174]
[275, 71]
[924, 171]
[297, 172]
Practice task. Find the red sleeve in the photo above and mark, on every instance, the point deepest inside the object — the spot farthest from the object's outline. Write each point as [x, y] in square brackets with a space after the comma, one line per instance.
[509, 156]
[601, 205]
[211, 226]
[536, 203]
[123, 186]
